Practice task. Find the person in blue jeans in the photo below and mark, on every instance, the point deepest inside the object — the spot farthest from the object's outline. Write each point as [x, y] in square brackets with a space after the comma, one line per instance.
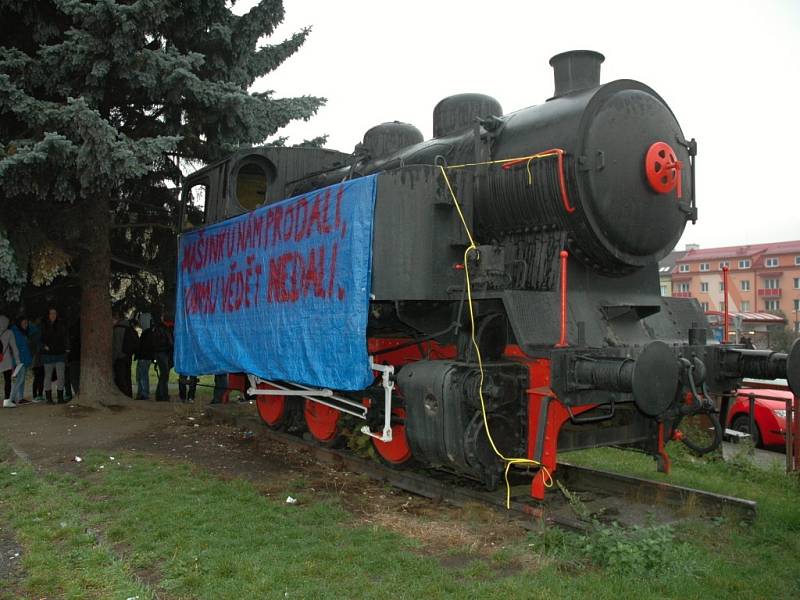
[20, 330]
[55, 346]
[144, 358]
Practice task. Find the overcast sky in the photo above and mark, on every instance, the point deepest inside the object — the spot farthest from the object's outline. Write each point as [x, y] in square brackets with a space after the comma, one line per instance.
[730, 71]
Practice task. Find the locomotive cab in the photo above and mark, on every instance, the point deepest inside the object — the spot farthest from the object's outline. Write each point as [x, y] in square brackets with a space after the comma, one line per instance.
[249, 179]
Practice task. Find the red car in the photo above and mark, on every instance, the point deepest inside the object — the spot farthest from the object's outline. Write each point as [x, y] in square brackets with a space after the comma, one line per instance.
[769, 415]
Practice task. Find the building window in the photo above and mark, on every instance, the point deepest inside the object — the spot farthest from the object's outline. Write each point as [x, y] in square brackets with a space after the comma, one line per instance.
[683, 268]
[797, 261]
[723, 263]
[772, 304]
[704, 286]
[797, 304]
[663, 290]
[704, 306]
[704, 266]
[771, 284]
[721, 286]
[745, 305]
[683, 287]
[744, 264]
[772, 262]
[797, 283]
[745, 284]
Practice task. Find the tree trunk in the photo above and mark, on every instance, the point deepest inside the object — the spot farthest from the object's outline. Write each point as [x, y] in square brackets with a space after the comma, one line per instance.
[96, 382]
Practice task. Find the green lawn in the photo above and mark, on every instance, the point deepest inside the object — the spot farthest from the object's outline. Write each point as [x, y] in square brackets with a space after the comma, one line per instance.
[145, 527]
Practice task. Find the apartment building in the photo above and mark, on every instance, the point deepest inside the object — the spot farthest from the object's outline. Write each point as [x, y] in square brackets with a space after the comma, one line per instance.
[762, 278]
[665, 267]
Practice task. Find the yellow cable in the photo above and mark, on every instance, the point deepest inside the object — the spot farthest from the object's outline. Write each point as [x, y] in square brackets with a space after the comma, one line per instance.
[509, 461]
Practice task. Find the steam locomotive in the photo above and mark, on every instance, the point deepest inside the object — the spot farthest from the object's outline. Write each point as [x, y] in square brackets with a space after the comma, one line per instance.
[515, 308]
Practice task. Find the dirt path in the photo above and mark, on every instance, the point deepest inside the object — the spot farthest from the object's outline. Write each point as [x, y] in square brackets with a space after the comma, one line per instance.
[10, 553]
[46, 433]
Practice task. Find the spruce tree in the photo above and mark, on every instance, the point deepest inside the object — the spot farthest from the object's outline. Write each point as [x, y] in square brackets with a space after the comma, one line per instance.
[97, 101]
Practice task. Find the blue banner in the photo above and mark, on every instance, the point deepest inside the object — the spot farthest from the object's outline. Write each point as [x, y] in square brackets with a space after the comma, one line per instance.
[281, 292]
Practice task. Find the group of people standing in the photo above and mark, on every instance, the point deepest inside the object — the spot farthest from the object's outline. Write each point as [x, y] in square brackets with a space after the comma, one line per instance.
[152, 348]
[46, 349]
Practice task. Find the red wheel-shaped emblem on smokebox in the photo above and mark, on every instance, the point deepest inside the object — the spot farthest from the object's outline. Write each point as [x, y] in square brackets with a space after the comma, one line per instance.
[663, 169]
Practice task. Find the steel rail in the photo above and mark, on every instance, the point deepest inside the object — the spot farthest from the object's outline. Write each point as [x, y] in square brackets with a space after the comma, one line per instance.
[530, 513]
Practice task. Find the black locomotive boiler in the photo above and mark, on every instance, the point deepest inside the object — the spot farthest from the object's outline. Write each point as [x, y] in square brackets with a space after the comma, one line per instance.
[515, 296]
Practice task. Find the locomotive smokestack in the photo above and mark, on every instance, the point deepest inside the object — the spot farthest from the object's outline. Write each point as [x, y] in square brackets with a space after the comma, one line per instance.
[576, 70]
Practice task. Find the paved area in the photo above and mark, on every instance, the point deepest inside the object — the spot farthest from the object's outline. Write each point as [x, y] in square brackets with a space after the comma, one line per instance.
[764, 459]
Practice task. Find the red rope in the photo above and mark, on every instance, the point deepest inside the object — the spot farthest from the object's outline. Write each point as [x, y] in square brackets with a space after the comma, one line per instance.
[562, 180]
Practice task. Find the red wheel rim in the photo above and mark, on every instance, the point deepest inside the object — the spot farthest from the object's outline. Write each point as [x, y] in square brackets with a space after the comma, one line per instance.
[271, 409]
[397, 451]
[322, 421]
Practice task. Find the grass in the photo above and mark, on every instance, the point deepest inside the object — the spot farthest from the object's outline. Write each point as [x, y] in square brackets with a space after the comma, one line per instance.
[139, 526]
[759, 559]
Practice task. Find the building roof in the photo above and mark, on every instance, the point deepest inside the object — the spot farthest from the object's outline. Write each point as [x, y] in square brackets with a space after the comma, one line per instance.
[746, 251]
[759, 317]
[666, 264]
[750, 317]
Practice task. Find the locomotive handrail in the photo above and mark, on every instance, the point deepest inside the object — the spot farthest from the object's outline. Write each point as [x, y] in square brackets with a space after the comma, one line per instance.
[358, 410]
[386, 371]
[355, 409]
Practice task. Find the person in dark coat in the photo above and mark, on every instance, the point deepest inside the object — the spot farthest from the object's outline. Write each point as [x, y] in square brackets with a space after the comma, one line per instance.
[55, 345]
[187, 387]
[220, 388]
[162, 350]
[123, 346]
[35, 344]
[144, 358]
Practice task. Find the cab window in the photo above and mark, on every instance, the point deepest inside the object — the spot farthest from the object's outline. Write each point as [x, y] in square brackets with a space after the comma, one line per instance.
[252, 180]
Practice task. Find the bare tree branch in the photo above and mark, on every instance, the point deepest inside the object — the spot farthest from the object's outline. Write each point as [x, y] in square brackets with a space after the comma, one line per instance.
[135, 265]
[142, 225]
[142, 204]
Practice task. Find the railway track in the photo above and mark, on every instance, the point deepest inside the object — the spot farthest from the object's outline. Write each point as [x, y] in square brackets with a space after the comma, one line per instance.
[602, 494]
